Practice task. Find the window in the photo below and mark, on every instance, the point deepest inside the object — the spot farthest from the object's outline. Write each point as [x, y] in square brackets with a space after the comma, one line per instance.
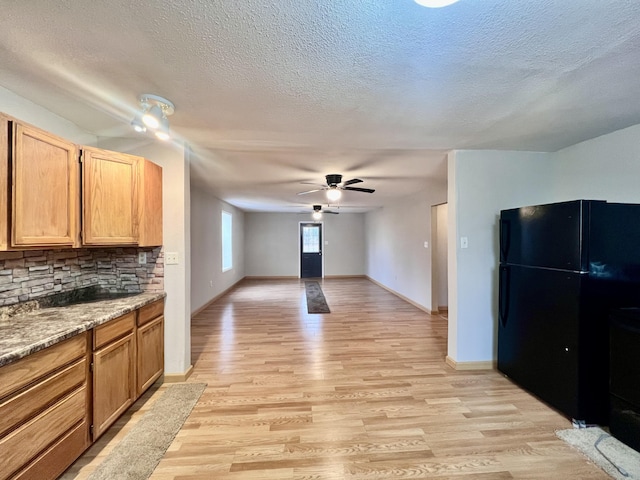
[311, 239]
[227, 237]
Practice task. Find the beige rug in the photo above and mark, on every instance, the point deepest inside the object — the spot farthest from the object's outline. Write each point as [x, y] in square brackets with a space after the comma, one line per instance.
[624, 457]
[140, 451]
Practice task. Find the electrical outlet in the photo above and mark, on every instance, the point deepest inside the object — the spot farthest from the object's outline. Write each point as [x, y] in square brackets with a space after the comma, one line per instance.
[426, 244]
[211, 283]
[171, 258]
[142, 258]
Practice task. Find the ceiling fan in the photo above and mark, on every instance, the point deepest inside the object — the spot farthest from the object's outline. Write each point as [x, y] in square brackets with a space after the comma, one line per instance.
[318, 211]
[335, 185]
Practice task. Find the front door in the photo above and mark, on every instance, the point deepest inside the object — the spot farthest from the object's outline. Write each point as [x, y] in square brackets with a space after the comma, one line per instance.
[310, 250]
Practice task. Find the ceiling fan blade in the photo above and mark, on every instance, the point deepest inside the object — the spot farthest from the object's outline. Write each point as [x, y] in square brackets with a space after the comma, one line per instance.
[310, 191]
[312, 183]
[357, 189]
[352, 181]
[329, 211]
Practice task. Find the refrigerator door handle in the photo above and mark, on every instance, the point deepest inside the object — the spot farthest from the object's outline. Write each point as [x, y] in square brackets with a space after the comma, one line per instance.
[503, 295]
[505, 239]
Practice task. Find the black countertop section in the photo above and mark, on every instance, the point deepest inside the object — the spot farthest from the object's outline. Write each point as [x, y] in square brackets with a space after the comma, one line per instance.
[41, 324]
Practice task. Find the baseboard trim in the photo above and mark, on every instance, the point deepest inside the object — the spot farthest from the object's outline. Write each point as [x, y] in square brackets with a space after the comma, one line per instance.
[345, 276]
[399, 295]
[217, 297]
[443, 309]
[275, 277]
[178, 377]
[489, 365]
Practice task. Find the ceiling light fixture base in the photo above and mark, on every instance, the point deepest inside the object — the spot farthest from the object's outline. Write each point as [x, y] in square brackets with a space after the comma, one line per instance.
[149, 100]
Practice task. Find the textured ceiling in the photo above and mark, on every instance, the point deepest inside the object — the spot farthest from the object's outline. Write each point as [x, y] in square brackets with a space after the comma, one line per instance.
[274, 93]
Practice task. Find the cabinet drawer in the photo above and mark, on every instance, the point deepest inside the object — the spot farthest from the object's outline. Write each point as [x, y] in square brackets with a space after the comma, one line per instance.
[19, 408]
[113, 330]
[23, 444]
[151, 311]
[21, 373]
[59, 456]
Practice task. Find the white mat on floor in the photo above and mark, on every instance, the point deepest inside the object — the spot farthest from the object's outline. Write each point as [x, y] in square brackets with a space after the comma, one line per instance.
[623, 456]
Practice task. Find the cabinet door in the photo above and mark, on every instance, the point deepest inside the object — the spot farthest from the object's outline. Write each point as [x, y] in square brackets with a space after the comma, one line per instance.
[113, 382]
[109, 198]
[45, 190]
[150, 204]
[4, 182]
[150, 353]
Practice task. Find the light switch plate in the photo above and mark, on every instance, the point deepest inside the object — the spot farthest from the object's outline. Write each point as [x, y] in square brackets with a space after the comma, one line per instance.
[464, 242]
[171, 258]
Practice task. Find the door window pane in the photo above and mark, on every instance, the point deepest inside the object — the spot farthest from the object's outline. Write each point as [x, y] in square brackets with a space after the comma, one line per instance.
[310, 239]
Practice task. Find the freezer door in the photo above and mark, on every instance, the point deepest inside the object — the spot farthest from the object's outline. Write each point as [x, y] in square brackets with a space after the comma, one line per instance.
[551, 236]
[538, 333]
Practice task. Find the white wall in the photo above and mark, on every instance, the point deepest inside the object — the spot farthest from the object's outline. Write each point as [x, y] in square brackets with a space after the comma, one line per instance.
[481, 183]
[207, 278]
[603, 168]
[174, 160]
[271, 244]
[345, 252]
[396, 257]
[29, 112]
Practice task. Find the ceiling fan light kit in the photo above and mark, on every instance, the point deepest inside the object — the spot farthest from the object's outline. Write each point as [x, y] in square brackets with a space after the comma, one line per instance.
[153, 114]
[333, 194]
[335, 186]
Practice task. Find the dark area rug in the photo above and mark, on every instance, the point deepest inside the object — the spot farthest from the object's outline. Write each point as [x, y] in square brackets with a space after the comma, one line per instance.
[316, 303]
[140, 451]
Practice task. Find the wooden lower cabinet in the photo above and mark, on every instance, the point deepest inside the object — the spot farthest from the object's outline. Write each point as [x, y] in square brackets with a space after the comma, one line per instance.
[56, 402]
[44, 414]
[150, 338]
[114, 387]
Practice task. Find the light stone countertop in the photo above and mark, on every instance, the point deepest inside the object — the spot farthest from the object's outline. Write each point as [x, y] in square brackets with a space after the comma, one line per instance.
[27, 333]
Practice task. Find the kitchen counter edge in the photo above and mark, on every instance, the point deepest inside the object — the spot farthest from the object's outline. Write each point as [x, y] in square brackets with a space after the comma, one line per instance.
[31, 332]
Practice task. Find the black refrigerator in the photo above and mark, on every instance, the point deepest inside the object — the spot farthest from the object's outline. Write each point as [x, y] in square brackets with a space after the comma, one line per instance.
[563, 267]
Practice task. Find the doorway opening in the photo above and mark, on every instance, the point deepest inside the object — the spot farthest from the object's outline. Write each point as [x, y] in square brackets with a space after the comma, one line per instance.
[439, 262]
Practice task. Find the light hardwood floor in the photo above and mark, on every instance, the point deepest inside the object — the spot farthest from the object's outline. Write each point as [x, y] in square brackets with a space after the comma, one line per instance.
[360, 393]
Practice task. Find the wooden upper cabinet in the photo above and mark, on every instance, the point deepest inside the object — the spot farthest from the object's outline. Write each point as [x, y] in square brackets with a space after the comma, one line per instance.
[45, 189]
[4, 183]
[150, 206]
[110, 197]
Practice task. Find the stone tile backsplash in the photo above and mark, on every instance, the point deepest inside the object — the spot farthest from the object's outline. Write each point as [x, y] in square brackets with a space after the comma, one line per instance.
[33, 274]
